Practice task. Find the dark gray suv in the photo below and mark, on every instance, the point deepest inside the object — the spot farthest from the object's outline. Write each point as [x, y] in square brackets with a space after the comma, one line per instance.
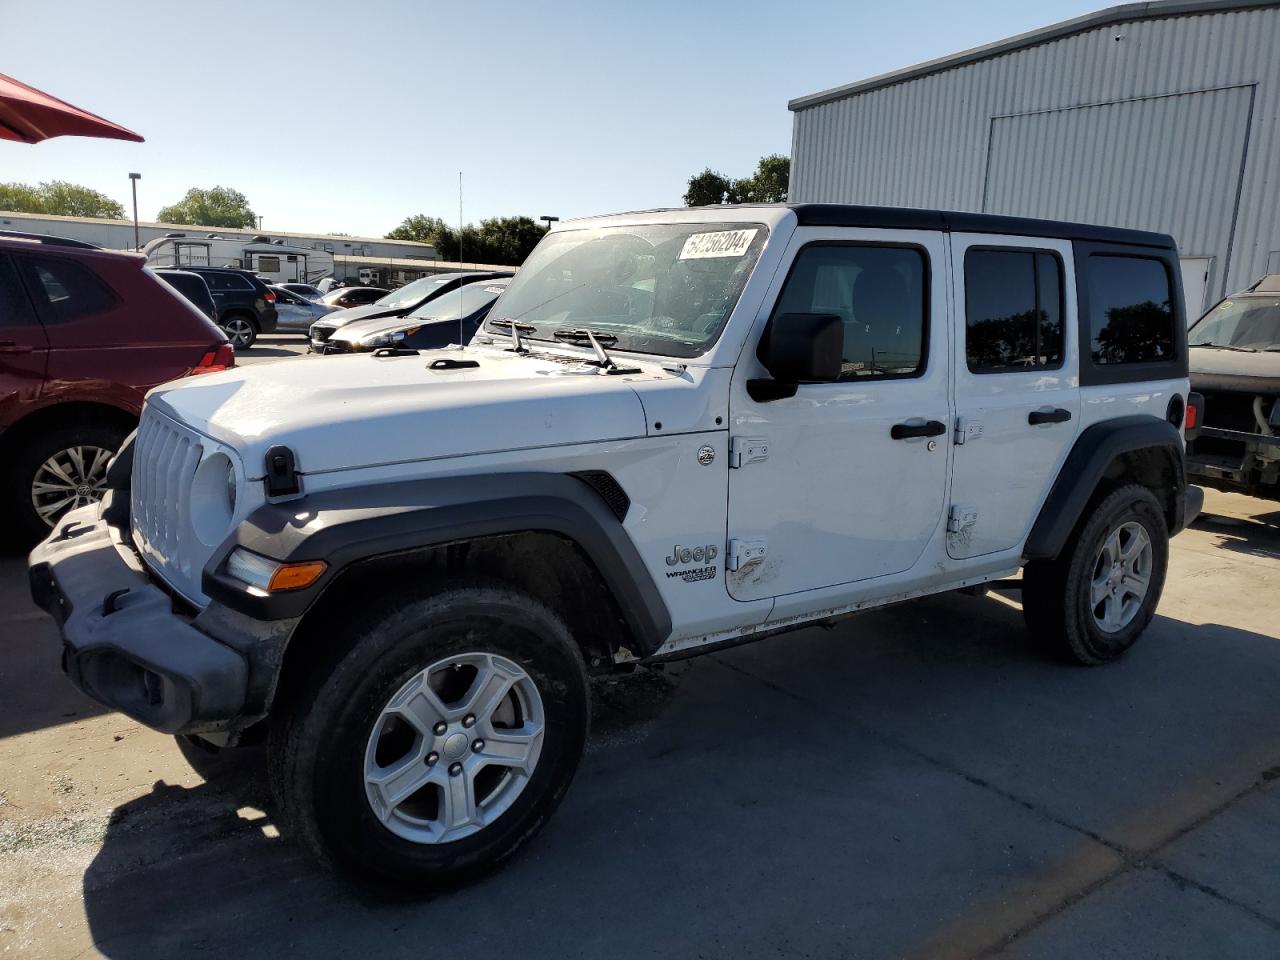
[246, 307]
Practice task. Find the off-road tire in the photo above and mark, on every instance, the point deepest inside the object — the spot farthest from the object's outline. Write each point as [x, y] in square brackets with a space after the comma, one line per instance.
[1055, 593]
[28, 456]
[322, 723]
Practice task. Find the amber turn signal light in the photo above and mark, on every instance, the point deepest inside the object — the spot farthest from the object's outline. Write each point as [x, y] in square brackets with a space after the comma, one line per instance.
[295, 576]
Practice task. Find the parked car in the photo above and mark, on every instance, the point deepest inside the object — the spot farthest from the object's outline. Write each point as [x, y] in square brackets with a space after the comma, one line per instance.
[449, 319]
[192, 286]
[353, 296]
[246, 305]
[84, 334]
[1235, 366]
[400, 301]
[327, 284]
[294, 312]
[304, 290]
[676, 430]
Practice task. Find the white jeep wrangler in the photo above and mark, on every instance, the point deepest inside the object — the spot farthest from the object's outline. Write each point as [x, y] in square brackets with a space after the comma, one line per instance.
[677, 430]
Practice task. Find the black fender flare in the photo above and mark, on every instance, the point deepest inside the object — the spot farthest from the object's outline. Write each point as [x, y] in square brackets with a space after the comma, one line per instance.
[1094, 451]
[345, 527]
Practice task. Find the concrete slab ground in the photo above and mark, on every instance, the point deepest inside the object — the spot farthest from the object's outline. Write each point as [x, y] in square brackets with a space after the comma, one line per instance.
[916, 782]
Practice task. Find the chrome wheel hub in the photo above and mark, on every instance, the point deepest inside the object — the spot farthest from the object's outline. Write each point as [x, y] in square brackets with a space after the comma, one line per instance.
[71, 478]
[454, 748]
[1121, 577]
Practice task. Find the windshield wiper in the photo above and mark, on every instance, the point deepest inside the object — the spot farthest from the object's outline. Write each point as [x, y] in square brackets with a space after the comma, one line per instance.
[516, 329]
[595, 338]
[1223, 346]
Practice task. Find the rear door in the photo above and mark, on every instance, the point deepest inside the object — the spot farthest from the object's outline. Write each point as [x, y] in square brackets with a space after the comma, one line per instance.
[1017, 396]
[24, 348]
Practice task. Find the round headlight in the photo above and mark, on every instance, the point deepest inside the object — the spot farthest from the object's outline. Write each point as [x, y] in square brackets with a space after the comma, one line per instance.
[213, 498]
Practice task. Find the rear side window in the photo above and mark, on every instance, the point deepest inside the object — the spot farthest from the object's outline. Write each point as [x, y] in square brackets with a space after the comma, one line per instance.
[64, 290]
[879, 294]
[1130, 310]
[1013, 310]
[15, 308]
[227, 281]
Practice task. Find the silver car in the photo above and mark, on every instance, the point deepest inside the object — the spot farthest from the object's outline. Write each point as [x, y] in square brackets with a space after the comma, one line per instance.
[296, 313]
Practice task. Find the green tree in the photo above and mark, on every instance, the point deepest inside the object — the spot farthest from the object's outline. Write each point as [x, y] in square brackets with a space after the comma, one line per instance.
[59, 198]
[772, 179]
[498, 240]
[706, 188]
[767, 185]
[216, 207]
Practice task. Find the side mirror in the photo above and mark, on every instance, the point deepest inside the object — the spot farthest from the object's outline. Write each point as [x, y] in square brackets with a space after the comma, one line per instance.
[799, 348]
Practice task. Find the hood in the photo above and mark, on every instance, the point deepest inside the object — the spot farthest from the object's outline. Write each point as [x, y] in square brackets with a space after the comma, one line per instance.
[1233, 371]
[360, 410]
[340, 317]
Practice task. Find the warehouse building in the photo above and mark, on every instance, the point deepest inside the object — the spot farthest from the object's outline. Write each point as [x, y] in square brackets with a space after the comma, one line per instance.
[118, 235]
[1158, 116]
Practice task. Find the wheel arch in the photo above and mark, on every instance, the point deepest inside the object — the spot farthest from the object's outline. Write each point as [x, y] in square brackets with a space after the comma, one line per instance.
[1107, 455]
[69, 413]
[557, 537]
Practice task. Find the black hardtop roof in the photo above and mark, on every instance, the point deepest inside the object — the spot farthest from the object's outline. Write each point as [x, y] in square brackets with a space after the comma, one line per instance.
[916, 218]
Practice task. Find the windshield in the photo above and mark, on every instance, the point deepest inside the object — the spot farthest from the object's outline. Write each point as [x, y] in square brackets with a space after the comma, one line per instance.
[411, 292]
[1249, 323]
[660, 288]
[458, 303]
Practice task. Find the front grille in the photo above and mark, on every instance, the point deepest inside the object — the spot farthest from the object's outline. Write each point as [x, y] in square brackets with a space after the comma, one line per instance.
[166, 455]
[322, 334]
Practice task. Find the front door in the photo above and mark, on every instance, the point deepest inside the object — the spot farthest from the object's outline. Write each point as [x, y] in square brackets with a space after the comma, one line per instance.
[1017, 397]
[845, 481]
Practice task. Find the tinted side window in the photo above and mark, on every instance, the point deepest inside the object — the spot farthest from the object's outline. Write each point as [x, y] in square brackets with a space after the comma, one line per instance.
[63, 289]
[15, 308]
[1130, 310]
[879, 294]
[227, 281]
[1013, 310]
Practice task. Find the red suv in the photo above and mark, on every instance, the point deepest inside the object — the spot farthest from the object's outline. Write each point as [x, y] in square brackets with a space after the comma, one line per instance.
[84, 334]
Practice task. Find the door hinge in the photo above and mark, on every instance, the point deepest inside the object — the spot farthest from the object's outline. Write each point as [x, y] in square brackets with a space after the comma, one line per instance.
[743, 553]
[961, 518]
[744, 450]
[968, 429]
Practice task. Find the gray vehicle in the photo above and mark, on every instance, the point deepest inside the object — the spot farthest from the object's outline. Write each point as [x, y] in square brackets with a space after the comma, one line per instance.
[295, 312]
[1235, 367]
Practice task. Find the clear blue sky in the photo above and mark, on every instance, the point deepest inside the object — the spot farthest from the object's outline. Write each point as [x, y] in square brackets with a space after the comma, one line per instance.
[350, 116]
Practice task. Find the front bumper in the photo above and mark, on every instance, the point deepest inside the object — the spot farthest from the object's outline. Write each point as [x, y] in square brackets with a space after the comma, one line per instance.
[124, 644]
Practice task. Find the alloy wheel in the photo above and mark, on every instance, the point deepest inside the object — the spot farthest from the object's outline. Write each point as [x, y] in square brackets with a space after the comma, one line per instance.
[239, 332]
[1121, 577]
[71, 478]
[454, 748]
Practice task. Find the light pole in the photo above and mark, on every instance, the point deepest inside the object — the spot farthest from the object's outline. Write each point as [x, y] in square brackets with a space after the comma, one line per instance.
[133, 181]
[549, 221]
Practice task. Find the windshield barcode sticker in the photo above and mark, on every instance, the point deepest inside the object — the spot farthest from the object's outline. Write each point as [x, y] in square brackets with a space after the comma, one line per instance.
[726, 243]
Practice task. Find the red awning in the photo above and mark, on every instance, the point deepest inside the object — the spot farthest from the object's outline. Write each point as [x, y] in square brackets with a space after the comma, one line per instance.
[29, 116]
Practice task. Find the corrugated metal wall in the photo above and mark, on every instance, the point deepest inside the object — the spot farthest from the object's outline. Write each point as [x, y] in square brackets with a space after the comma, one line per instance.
[1156, 124]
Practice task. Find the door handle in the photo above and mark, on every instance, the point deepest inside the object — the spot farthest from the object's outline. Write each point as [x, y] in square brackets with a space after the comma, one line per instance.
[930, 428]
[1057, 415]
[12, 346]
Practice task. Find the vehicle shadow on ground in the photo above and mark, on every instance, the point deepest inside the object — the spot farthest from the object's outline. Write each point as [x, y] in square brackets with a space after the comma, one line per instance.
[918, 775]
[1257, 535]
